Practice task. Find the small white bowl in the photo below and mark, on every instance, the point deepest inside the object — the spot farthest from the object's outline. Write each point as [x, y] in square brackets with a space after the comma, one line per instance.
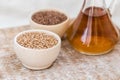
[37, 58]
[57, 28]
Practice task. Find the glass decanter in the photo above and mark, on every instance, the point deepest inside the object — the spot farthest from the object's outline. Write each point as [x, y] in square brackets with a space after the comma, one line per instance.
[93, 32]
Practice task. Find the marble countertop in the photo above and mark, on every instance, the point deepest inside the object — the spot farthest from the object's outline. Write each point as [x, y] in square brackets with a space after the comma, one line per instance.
[70, 65]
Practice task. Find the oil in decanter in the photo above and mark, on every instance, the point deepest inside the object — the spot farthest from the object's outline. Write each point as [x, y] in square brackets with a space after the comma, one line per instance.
[93, 32]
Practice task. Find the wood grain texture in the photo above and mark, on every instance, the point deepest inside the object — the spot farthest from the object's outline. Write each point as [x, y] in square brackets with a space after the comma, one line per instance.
[70, 65]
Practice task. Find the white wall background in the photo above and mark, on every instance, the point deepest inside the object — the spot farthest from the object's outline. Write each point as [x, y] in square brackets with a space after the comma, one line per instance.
[15, 12]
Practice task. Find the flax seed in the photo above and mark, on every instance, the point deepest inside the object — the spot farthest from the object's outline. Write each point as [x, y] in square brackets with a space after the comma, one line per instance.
[48, 17]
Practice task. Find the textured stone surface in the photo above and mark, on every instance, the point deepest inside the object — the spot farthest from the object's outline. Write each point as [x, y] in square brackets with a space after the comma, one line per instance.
[70, 65]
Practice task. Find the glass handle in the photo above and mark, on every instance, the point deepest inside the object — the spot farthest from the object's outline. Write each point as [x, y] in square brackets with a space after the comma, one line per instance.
[111, 6]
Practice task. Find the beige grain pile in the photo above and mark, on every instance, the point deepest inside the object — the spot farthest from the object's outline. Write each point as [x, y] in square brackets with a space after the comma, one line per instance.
[37, 40]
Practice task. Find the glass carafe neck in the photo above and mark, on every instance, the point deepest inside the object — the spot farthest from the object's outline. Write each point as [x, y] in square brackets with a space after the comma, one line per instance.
[94, 7]
[93, 3]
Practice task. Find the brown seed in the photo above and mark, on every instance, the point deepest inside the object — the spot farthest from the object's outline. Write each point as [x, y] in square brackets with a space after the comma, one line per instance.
[38, 40]
[48, 17]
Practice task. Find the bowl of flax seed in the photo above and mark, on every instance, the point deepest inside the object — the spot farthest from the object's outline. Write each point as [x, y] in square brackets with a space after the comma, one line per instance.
[50, 19]
[37, 49]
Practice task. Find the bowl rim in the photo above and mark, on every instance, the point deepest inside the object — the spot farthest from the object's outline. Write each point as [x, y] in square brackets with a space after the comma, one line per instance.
[35, 30]
[49, 9]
